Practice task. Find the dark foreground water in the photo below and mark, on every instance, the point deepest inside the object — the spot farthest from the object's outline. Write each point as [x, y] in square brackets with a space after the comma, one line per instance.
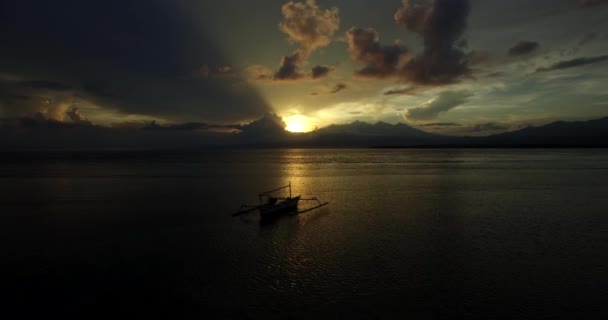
[408, 234]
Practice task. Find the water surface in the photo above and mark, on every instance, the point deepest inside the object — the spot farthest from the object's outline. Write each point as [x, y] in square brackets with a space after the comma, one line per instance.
[408, 233]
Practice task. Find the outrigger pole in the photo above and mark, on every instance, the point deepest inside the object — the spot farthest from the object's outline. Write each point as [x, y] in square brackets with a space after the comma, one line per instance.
[277, 189]
[251, 208]
[320, 204]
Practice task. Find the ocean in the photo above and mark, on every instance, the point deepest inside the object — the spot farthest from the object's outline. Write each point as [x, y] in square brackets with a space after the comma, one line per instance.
[408, 233]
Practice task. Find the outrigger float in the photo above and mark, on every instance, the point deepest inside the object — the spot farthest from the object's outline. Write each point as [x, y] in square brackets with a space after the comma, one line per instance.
[271, 206]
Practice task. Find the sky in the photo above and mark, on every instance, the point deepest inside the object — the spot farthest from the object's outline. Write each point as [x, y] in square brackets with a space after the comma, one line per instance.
[461, 67]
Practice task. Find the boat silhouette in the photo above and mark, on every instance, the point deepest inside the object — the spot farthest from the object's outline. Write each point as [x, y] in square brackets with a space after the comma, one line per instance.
[272, 206]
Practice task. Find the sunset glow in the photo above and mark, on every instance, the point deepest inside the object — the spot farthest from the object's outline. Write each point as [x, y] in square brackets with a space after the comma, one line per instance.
[297, 123]
[310, 63]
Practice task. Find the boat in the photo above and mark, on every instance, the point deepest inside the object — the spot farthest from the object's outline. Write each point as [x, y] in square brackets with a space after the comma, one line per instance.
[272, 206]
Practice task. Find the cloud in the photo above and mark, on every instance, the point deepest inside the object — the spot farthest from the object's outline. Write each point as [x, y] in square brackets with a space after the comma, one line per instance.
[441, 23]
[72, 118]
[339, 87]
[40, 121]
[37, 132]
[573, 63]
[269, 126]
[321, 71]
[289, 67]
[466, 129]
[446, 101]
[310, 28]
[327, 89]
[77, 118]
[257, 72]
[441, 124]
[381, 61]
[206, 71]
[201, 72]
[131, 66]
[477, 57]
[523, 48]
[591, 3]
[495, 74]
[188, 126]
[48, 99]
[308, 25]
[225, 69]
[489, 126]
[587, 38]
[402, 91]
[44, 84]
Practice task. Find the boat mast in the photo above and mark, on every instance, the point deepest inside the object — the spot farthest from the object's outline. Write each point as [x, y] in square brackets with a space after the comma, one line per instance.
[289, 189]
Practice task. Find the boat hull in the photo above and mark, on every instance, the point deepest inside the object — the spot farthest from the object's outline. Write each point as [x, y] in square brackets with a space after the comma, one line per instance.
[274, 210]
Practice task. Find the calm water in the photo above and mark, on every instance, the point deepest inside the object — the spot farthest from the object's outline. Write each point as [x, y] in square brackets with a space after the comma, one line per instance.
[408, 233]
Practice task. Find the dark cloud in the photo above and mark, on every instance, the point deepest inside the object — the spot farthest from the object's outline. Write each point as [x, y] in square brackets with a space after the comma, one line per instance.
[441, 23]
[43, 84]
[490, 126]
[381, 61]
[321, 71]
[311, 28]
[269, 126]
[40, 121]
[73, 119]
[36, 133]
[477, 57]
[446, 101]
[201, 72]
[330, 90]
[466, 129]
[42, 133]
[591, 3]
[258, 72]
[186, 126]
[573, 63]
[27, 98]
[289, 67]
[206, 71]
[495, 74]
[224, 69]
[402, 91]
[589, 37]
[338, 87]
[77, 117]
[189, 126]
[523, 48]
[441, 124]
[128, 65]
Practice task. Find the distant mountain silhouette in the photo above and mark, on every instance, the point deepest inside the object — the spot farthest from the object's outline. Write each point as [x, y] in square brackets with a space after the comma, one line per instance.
[381, 128]
[363, 134]
[560, 133]
[268, 132]
[592, 133]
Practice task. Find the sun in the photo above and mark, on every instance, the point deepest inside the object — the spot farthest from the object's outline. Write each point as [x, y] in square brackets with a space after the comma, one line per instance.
[295, 126]
[297, 123]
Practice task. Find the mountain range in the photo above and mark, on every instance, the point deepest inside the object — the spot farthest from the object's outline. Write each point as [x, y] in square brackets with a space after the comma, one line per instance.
[592, 133]
[269, 133]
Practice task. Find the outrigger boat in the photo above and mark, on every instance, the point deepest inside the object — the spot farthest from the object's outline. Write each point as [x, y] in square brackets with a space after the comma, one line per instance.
[274, 206]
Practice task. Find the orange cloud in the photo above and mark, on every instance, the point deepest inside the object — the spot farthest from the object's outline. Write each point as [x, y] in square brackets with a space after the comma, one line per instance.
[308, 25]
